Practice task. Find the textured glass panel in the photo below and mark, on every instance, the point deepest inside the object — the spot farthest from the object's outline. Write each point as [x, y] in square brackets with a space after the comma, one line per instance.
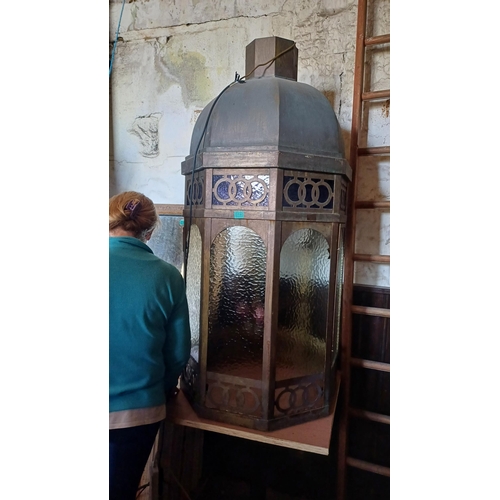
[166, 241]
[236, 307]
[303, 299]
[193, 289]
[339, 286]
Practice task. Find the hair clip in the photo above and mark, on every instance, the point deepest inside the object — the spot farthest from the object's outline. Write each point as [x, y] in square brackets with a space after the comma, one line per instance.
[132, 205]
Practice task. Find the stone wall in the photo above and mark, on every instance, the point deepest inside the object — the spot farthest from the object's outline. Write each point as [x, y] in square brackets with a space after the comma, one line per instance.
[173, 57]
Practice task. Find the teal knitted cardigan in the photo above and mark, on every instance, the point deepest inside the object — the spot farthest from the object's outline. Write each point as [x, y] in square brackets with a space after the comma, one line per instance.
[149, 335]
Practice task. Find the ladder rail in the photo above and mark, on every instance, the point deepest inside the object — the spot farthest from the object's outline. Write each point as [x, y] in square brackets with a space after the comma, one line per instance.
[345, 343]
[360, 96]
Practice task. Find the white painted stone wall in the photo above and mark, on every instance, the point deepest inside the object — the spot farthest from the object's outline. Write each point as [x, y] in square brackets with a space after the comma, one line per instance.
[174, 56]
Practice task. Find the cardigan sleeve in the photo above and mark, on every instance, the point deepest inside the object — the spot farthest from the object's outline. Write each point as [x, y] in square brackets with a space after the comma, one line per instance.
[177, 345]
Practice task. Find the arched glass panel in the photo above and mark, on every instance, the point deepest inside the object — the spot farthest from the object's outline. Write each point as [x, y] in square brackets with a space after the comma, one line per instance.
[236, 303]
[193, 289]
[303, 302]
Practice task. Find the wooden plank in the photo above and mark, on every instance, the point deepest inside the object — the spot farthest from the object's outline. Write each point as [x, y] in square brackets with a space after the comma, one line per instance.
[369, 415]
[375, 151]
[372, 204]
[381, 259]
[371, 311]
[313, 437]
[172, 455]
[378, 40]
[148, 483]
[371, 365]
[376, 95]
[192, 458]
[361, 464]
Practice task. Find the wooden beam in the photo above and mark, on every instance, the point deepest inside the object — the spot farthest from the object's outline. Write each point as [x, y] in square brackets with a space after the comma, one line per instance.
[381, 259]
[372, 204]
[361, 464]
[369, 415]
[378, 40]
[371, 365]
[374, 151]
[313, 437]
[376, 95]
[371, 311]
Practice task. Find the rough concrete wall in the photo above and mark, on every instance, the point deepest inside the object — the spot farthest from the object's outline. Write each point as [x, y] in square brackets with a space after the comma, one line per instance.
[173, 57]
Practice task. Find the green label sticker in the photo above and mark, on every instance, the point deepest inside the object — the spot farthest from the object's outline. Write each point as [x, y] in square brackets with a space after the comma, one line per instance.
[238, 214]
[181, 222]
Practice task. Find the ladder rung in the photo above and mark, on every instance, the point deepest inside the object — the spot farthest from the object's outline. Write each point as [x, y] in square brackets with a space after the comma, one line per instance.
[381, 259]
[377, 94]
[376, 40]
[374, 151]
[361, 464]
[372, 204]
[370, 415]
[371, 311]
[371, 365]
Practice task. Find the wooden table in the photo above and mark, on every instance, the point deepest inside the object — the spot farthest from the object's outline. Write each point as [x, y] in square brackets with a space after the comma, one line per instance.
[182, 444]
[313, 436]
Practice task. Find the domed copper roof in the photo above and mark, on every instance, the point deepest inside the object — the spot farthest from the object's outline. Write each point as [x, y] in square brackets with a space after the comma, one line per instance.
[271, 114]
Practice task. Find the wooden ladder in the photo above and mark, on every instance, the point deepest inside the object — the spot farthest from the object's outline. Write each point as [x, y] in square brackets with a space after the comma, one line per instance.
[361, 96]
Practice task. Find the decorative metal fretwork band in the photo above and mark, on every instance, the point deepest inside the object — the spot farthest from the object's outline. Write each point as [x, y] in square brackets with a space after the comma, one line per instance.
[298, 398]
[308, 192]
[198, 189]
[239, 399]
[240, 190]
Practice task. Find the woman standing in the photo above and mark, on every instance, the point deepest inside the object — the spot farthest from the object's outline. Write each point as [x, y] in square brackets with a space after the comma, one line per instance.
[149, 339]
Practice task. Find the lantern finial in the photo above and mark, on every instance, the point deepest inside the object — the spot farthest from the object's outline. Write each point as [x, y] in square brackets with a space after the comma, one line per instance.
[262, 50]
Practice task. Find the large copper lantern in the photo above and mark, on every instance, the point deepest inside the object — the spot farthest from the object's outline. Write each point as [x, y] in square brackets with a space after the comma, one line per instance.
[265, 209]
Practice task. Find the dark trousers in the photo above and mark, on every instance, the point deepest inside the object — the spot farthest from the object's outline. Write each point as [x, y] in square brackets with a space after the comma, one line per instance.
[129, 450]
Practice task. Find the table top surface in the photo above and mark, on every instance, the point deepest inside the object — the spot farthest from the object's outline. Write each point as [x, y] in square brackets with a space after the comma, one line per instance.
[313, 436]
